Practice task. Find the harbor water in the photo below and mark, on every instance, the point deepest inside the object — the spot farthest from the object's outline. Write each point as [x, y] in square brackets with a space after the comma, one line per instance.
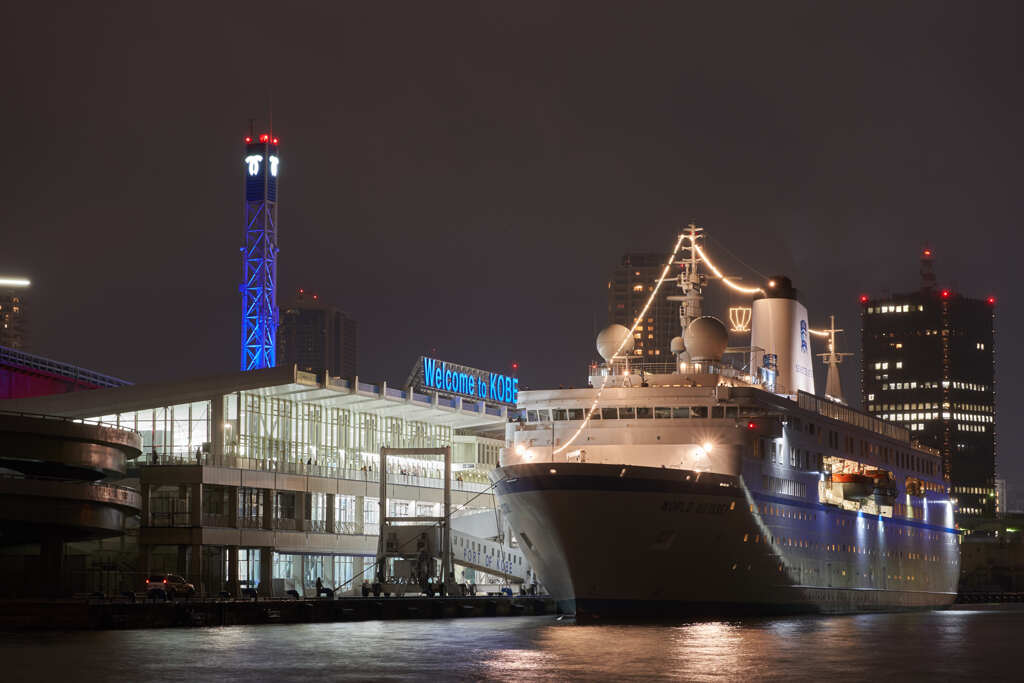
[965, 643]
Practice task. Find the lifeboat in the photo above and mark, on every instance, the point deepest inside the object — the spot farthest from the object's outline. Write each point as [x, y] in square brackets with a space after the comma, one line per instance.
[854, 486]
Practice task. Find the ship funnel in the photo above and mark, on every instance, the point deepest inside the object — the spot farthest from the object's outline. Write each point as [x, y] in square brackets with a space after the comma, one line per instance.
[609, 339]
[780, 338]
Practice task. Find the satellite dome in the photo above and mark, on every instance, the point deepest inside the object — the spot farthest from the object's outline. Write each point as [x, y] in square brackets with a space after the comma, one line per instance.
[706, 339]
[677, 346]
[608, 341]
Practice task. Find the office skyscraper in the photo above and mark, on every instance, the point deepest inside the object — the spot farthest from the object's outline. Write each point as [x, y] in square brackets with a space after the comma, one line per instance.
[927, 363]
[630, 285]
[317, 337]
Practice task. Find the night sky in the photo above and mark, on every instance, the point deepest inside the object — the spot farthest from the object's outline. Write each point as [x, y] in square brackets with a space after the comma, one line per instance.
[464, 177]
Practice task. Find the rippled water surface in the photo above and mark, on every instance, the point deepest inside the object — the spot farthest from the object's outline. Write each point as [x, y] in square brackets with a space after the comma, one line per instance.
[980, 643]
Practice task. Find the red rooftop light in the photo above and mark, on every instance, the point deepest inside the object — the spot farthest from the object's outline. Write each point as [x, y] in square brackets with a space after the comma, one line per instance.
[991, 299]
[248, 139]
[275, 141]
[264, 137]
[945, 294]
[927, 252]
[863, 298]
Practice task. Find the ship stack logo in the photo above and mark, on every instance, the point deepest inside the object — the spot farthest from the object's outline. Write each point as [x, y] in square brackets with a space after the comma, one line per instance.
[740, 317]
[803, 335]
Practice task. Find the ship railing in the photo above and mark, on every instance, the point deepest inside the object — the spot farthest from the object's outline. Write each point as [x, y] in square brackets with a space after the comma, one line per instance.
[837, 411]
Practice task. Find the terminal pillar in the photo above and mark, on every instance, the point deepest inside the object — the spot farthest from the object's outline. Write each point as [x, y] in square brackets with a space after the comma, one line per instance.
[195, 505]
[233, 510]
[268, 508]
[217, 423]
[233, 588]
[331, 522]
[146, 491]
[360, 502]
[195, 567]
[358, 569]
[266, 572]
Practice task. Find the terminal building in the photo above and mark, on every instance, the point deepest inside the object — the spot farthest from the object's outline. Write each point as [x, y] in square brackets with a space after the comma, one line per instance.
[928, 363]
[269, 478]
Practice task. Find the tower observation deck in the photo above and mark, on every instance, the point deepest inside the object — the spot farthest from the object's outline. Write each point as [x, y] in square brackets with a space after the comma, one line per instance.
[259, 255]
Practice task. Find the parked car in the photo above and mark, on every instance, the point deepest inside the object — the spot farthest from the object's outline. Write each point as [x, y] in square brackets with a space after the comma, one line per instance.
[171, 585]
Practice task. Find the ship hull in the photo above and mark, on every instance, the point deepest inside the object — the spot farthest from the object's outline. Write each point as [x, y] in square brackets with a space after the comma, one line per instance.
[624, 541]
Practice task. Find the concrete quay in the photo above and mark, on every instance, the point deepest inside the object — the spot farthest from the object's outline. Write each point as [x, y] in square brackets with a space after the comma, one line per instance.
[20, 615]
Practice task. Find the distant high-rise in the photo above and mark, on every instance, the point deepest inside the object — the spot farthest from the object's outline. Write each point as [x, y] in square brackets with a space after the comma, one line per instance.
[317, 337]
[13, 318]
[927, 363]
[631, 283]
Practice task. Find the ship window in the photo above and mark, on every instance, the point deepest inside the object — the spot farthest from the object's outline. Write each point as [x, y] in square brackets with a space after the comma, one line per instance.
[644, 413]
[731, 411]
[662, 413]
[558, 413]
[718, 412]
[698, 411]
[609, 413]
[627, 413]
[575, 413]
[531, 415]
[681, 412]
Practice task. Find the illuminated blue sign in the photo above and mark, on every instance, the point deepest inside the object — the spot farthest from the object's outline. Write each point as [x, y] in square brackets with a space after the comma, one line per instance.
[464, 381]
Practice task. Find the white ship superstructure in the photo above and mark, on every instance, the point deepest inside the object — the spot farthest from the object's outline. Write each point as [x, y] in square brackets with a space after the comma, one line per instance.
[697, 485]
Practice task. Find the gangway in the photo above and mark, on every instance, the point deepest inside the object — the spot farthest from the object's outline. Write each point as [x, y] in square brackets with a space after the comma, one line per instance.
[408, 546]
[413, 543]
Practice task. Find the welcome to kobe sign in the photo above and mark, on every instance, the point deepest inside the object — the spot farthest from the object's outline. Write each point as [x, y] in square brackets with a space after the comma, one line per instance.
[461, 380]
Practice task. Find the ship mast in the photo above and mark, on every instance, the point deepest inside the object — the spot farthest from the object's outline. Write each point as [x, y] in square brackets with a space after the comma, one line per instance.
[690, 281]
[833, 388]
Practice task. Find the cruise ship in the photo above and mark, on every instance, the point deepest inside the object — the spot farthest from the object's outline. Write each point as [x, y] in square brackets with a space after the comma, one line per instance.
[719, 482]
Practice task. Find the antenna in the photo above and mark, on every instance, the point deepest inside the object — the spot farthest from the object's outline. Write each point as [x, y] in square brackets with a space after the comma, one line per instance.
[270, 112]
[690, 281]
[833, 388]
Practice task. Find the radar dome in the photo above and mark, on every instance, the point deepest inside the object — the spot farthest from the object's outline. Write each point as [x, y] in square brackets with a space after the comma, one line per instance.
[677, 346]
[706, 339]
[609, 338]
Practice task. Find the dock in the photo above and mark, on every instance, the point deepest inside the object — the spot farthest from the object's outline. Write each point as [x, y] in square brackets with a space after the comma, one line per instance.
[100, 613]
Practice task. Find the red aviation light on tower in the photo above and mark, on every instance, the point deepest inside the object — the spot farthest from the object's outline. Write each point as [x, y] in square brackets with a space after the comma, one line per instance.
[945, 294]
[248, 139]
[991, 301]
[863, 298]
[275, 141]
[264, 137]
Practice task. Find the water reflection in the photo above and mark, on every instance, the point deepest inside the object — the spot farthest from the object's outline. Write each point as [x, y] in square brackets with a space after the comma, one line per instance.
[953, 645]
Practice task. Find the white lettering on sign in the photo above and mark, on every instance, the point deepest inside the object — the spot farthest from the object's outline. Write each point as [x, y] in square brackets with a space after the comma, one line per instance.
[273, 166]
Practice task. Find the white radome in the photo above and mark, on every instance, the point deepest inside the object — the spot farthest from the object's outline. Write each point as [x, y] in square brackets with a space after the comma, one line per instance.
[608, 341]
[706, 339]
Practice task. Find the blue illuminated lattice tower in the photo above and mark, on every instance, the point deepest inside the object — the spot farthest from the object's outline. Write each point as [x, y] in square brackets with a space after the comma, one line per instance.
[259, 255]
